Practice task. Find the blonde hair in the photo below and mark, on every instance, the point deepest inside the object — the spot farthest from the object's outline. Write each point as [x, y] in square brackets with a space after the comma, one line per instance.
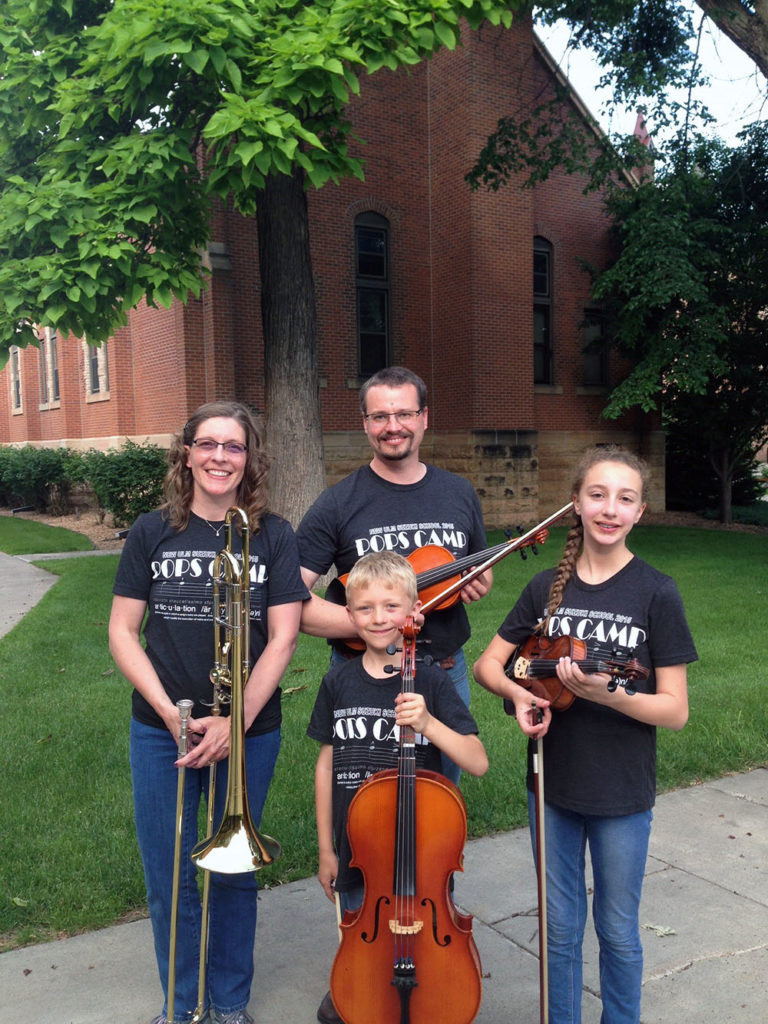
[388, 569]
[574, 542]
[178, 485]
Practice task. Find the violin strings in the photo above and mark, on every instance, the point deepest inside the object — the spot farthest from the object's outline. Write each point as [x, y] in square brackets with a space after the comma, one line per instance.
[438, 573]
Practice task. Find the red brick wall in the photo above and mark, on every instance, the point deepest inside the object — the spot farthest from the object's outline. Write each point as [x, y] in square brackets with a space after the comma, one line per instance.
[461, 296]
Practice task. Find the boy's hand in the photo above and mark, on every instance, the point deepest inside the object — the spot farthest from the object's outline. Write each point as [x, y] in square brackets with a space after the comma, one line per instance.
[411, 710]
[327, 871]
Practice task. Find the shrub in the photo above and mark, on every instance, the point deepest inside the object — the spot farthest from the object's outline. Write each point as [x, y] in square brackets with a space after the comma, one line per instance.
[41, 477]
[126, 481]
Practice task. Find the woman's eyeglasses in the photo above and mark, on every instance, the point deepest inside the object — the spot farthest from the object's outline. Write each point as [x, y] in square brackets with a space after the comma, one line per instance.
[207, 445]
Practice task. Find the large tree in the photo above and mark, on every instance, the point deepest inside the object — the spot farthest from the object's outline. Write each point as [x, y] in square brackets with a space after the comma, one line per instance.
[689, 293]
[122, 120]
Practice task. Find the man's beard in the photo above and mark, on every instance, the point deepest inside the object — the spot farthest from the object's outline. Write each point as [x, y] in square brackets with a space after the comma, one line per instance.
[396, 456]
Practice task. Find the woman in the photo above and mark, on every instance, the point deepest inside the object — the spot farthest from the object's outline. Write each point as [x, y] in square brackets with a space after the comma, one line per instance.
[600, 754]
[164, 574]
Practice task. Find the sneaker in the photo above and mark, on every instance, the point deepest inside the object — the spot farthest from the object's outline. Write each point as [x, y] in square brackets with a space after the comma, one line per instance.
[326, 1011]
[238, 1017]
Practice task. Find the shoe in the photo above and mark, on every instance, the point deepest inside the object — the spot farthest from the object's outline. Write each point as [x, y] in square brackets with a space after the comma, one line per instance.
[238, 1017]
[326, 1011]
[162, 1019]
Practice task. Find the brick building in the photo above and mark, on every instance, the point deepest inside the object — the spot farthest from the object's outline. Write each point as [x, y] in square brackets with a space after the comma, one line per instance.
[410, 268]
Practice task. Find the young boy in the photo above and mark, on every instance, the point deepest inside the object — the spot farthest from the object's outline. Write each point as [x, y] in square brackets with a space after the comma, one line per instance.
[358, 711]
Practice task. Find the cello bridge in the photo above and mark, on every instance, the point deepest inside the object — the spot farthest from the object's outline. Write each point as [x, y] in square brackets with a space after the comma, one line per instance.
[405, 929]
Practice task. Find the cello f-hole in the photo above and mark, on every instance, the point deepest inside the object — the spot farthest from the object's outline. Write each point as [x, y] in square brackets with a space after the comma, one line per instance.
[364, 935]
[427, 902]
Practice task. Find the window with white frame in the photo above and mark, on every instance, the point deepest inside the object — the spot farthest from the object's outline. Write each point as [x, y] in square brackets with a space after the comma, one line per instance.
[15, 377]
[49, 368]
[96, 372]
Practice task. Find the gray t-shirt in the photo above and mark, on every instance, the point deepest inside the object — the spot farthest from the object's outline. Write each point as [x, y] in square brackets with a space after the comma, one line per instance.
[364, 513]
[598, 760]
[172, 572]
[355, 713]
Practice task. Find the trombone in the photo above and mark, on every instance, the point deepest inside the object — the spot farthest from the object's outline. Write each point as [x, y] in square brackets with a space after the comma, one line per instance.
[237, 845]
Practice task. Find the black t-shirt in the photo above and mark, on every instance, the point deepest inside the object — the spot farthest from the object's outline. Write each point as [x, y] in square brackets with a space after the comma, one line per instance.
[598, 760]
[355, 712]
[364, 513]
[172, 572]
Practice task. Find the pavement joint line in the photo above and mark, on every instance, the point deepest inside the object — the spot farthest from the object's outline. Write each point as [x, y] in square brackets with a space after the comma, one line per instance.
[726, 954]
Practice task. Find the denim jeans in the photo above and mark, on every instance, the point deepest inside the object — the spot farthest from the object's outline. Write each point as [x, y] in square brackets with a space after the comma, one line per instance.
[232, 904]
[618, 848]
[460, 680]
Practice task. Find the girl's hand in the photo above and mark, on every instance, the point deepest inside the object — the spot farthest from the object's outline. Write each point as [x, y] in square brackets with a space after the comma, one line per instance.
[533, 716]
[591, 687]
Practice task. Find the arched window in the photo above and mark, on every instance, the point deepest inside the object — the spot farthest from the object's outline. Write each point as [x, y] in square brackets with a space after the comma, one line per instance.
[372, 284]
[542, 311]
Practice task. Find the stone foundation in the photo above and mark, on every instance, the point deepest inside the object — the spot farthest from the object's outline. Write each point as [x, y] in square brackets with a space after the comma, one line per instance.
[521, 476]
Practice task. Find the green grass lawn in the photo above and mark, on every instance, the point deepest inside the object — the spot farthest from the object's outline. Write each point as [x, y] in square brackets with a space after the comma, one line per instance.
[26, 537]
[69, 861]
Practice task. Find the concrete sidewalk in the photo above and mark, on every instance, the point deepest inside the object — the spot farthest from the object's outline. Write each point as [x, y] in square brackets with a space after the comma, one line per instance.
[704, 917]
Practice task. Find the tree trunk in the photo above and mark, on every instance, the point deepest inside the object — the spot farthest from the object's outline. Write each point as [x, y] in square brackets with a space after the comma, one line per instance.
[748, 29]
[723, 464]
[289, 317]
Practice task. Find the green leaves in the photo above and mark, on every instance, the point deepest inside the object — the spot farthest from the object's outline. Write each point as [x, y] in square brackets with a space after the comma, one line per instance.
[105, 116]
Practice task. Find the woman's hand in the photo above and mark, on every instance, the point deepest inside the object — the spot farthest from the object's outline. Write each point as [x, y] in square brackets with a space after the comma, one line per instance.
[208, 741]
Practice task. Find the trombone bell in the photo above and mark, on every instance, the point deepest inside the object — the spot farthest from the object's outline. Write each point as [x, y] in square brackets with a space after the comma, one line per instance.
[237, 847]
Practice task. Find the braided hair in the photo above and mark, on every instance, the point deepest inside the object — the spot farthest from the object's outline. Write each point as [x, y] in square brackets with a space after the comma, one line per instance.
[574, 542]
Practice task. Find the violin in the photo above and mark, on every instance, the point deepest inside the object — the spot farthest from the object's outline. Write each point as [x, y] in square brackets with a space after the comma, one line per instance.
[534, 666]
[440, 576]
[407, 955]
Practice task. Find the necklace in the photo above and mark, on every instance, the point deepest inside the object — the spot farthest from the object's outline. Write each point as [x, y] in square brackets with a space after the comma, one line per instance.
[216, 529]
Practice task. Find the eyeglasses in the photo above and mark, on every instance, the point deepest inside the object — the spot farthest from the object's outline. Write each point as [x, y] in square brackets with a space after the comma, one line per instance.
[405, 416]
[207, 445]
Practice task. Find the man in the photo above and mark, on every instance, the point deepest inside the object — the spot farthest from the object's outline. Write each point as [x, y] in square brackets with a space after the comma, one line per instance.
[396, 503]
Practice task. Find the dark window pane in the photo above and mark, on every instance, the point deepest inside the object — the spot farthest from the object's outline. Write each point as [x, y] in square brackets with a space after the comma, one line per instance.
[371, 253]
[541, 345]
[595, 352]
[541, 273]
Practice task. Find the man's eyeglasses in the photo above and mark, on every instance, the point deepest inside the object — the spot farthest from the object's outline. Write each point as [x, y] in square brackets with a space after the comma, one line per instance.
[208, 446]
[405, 417]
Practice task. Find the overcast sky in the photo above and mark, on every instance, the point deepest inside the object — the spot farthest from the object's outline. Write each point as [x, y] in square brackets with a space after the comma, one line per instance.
[736, 95]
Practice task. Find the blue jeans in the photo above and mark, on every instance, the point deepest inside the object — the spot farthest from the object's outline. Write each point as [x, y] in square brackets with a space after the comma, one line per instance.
[618, 848]
[460, 680]
[232, 905]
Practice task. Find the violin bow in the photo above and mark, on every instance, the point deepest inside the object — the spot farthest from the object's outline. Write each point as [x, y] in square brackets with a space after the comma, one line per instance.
[517, 542]
[541, 873]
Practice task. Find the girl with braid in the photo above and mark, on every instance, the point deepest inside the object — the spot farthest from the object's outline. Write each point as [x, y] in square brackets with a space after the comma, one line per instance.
[600, 754]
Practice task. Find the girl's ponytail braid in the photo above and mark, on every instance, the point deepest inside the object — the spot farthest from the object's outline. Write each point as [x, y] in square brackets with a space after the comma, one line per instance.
[563, 573]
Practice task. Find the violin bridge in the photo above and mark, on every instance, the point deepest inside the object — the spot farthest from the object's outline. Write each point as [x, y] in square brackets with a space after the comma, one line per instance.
[520, 668]
[405, 929]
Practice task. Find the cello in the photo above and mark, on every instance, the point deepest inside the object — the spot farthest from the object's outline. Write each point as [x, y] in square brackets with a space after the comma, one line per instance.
[407, 955]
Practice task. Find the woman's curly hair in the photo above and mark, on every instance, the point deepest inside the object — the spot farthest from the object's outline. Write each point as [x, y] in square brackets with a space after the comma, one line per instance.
[178, 486]
[575, 539]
